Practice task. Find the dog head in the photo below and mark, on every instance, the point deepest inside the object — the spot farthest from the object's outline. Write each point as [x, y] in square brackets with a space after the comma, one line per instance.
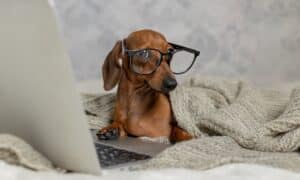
[117, 62]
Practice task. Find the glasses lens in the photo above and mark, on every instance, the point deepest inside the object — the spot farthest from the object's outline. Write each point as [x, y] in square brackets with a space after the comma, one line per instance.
[145, 61]
[181, 61]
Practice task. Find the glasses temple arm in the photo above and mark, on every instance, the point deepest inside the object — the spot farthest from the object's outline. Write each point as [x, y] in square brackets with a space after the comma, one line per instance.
[196, 52]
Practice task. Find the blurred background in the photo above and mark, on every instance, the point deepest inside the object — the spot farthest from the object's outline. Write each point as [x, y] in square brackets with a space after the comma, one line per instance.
[258, 40]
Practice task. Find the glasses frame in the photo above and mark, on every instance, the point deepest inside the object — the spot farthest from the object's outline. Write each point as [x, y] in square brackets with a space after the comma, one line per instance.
[176, 48]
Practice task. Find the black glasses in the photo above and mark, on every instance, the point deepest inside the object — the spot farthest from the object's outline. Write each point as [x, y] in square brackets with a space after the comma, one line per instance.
[146, 61]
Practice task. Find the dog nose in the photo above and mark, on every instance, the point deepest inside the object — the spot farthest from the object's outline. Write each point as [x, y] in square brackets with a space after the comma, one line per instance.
[169, 84]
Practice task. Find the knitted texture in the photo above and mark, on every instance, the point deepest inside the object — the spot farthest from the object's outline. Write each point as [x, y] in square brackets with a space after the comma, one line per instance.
[232, 122]
[15, 151]
[264, 120]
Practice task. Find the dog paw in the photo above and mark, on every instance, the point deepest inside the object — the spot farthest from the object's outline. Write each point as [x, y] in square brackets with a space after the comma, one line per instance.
[108, 134]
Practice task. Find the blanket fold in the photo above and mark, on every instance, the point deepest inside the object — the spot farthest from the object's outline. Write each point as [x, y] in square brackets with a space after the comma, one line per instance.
[264, 120]
[15, 151]
[231, 120]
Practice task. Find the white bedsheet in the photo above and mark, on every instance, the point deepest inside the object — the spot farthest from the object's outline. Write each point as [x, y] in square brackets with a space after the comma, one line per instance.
[230, 171]
[226, 172]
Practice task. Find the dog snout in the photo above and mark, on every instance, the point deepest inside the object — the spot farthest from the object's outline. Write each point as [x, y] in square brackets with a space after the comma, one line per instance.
[169, 84]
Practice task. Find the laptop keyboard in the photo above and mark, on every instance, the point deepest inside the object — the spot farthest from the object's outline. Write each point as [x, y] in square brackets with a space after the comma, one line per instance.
[110, 156]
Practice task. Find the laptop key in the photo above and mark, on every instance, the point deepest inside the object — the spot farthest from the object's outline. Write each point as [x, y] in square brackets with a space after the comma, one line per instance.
[109, 156]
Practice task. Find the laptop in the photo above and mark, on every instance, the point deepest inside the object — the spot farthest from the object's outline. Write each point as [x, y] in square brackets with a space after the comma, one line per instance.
[38, 98]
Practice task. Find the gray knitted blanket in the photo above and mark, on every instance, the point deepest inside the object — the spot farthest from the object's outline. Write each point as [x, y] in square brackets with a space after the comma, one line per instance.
[233, 122]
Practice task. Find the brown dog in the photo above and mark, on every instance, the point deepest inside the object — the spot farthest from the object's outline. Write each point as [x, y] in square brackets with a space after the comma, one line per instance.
[142, 106]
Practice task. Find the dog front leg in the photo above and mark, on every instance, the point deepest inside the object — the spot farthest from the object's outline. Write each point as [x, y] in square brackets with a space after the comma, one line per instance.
[113, 131]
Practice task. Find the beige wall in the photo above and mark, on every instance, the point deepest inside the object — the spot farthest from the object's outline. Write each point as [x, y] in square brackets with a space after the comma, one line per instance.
[256, 39]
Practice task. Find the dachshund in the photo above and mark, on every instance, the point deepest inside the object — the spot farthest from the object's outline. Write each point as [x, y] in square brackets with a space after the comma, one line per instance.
[142, 106]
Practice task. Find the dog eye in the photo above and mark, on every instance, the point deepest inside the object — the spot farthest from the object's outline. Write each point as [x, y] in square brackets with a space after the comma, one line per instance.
[144, 54]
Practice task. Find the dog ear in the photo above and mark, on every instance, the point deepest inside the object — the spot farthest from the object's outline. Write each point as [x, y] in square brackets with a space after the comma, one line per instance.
[112, 67]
